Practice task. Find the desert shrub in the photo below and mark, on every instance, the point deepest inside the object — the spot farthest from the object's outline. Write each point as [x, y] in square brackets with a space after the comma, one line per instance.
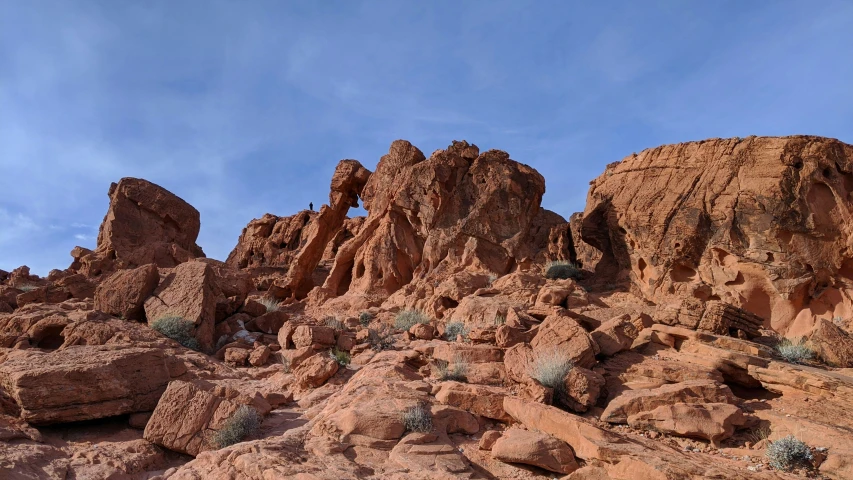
[381, 338]
[795, 352]
[178, 329]
[561, 269]
[244, 422]
[334, 323]
[364, 318]
[500, 320]
[455, 371]
[787, 453]
[270, 304]
[407, 318]
[492, 278]
[454, 329]
[550, 369]
[340, 356]
[417, 419]
[27, 287]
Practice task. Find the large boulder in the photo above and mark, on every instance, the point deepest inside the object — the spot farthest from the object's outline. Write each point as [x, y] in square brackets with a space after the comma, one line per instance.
[564, 334]
[534, 448]
[632, 402]
[145, 224]
[709, 421]
[125, 291]
[761, 223]
[833, 345]
[84, 382]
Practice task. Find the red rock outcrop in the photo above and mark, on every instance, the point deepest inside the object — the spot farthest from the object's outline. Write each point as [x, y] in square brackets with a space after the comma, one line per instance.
[145, 224]
[762, 223]
[123, 293]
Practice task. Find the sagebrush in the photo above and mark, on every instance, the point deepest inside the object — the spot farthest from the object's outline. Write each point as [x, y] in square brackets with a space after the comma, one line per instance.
[178, 329]
[561, 269]
[550, 369]
[245, 421]
[795, 351]
[788, 452]
[454, 329]
[340, 356]
[417, 419]
[408, 318]
[364, 318]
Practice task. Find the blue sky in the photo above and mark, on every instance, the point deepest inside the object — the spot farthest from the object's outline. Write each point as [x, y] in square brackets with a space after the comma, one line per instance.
[245, 107]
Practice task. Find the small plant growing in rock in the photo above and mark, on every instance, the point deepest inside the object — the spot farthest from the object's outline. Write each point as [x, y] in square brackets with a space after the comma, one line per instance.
[787, 453]
[245, 421]
[407, 318]
[27, 287]
[178, 329]
[340, 356]
[334, 323]
[492, 278]
[270, 304]
[500, 320]
[417, 419]
[795, 352]
[381, 338]
[454, 329]
[550, 369]
[364, 318]
[455, 371]
[561, 269]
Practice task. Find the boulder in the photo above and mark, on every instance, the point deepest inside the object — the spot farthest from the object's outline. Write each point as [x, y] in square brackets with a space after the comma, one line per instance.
[487, 441]
[237, 357]
[259, 356]
[123, 293]
[318, 337]
[583, 388]
[833, 345]
[453, 352]
[559, 332]
[84, 382]
[477, 399]
[534, 448]
[186, 418]
[314, 371]
[710, 421]
[615, 335]
[632, 402]
[145, 223]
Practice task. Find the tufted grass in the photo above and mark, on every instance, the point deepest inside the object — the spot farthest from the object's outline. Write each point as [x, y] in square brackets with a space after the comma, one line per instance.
[417, 419]
[798, 352]
[270, 304]
[453, 329]
[178, 329]
[455, 371]
[550, 369]
[244, 422]
[407, 318]
[561, 269]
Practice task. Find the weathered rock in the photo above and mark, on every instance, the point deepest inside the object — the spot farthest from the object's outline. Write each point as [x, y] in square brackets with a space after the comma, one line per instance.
[422, 331]
[314, 371]
[124, 292]
[477, 399]
[453, 352]
[615, 335]
[632, 402]
[186, 418]
[237, 357]
[315, 336]
[84, 382]
[259, 356]
[558, 332]
[583, 388]
[534, 448]
[709, 421]
[833, 345]
[487, 441]
[759, 223]
[145, 224]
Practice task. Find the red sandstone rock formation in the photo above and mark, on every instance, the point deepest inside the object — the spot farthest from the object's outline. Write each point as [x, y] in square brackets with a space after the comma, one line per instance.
[144, 224]
[762, 223]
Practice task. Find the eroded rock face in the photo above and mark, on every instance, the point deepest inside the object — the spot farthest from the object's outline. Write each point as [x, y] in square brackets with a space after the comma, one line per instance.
[125, 291]
[145, 224]
[84, 382]
[458, 212]
[534, 448]
[761, 223]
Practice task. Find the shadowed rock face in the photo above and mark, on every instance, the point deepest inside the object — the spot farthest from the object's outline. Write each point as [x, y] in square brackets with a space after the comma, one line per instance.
[145, 224]
[762, 223]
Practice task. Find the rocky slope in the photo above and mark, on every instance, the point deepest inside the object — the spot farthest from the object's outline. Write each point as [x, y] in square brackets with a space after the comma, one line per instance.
[436, 338]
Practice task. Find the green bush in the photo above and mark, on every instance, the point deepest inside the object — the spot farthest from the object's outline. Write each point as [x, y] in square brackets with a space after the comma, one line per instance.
[243, 423]
[364, 318]
[795, 352]
[550, 369]
[381, 338]
[454, 329]
[334, 323]
[270, 304]
[455, 371]
[340, 356]
[561, 269]
[787, 453]
[417, 419]
[178, 329]
[407, 318]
